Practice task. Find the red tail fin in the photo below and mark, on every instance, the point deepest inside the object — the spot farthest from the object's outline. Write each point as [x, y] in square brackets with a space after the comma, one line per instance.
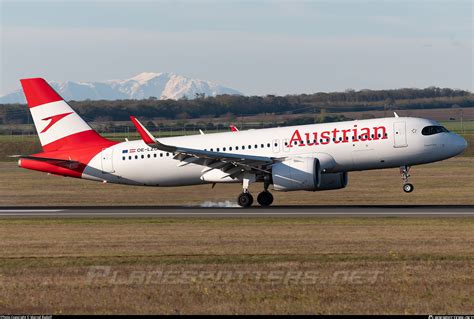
[58, 125]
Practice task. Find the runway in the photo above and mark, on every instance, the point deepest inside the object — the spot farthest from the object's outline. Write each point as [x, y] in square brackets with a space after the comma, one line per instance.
[222, 212]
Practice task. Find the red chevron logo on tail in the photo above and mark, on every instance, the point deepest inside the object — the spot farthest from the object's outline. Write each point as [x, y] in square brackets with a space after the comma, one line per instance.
[54, 119]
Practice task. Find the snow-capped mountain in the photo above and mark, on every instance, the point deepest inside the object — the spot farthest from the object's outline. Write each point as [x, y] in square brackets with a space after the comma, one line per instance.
[160, 85]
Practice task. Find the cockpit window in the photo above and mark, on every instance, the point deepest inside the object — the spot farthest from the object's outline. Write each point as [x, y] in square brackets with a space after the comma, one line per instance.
[430, 130]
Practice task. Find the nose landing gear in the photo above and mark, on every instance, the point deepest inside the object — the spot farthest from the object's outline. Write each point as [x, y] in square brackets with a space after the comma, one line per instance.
[405, 171]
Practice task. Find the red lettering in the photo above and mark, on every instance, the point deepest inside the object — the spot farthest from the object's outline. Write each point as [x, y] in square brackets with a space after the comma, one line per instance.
[354, 130]
[296, 137]
[365, 136]
[308, 141]
[376, 132]
[334, 135]
[325, 137]
[344, 136]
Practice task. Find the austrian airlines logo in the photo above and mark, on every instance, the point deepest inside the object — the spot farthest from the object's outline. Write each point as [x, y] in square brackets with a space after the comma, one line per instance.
[54, 119]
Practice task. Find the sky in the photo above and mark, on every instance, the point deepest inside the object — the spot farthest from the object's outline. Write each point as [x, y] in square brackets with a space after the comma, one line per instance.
[257, 47]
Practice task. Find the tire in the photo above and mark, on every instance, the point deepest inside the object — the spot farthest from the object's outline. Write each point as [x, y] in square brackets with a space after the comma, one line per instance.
[265, 198]
[408, 188]
[245, 200]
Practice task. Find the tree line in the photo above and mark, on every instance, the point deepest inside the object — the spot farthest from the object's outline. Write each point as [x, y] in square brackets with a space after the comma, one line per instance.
[234, 105]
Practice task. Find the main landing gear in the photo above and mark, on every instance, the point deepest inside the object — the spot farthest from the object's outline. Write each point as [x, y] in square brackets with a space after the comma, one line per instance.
[405, 171]
[245, 199]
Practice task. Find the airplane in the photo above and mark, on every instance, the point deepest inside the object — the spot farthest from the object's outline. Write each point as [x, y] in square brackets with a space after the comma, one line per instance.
[315, 157]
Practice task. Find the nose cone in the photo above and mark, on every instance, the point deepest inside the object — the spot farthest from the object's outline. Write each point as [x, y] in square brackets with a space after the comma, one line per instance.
[459, 144]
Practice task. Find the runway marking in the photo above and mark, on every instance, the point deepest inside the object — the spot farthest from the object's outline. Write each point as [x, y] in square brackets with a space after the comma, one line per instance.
[65, 214]
[30, 210]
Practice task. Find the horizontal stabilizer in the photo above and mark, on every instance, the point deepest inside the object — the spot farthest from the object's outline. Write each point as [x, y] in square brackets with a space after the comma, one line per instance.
[54, 161]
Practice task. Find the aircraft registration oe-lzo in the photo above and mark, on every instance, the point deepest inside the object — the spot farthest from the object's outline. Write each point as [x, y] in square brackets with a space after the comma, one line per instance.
[313, 157]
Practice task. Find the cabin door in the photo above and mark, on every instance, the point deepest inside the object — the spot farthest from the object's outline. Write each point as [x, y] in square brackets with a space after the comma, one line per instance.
[106, 158]
[400, 136]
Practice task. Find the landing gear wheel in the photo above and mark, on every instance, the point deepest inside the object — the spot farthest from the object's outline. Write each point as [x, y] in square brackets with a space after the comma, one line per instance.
[405, 171]
[408, 188]
[245, 200]
[265, 198]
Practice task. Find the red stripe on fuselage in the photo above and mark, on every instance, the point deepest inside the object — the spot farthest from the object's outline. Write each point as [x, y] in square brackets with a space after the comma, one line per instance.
[38, 91]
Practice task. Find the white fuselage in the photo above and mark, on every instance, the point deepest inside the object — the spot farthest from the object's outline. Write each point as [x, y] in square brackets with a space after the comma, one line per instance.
[352, 146]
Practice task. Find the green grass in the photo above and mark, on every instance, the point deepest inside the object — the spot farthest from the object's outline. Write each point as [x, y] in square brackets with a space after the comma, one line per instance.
[467, 127]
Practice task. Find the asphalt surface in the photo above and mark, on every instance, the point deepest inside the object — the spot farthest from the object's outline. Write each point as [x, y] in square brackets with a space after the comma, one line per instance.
[219, 212]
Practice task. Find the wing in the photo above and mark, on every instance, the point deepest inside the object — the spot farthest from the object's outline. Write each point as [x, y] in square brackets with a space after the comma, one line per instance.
[231, 163]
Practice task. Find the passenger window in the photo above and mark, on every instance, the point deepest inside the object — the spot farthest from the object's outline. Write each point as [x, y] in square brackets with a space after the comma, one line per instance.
[268, 145]
[148, 156]
[262, 146]
[230, 148]
[123, 158]
[129, 157]
[243, 147]
[136, 156]
[143, 156]
[167, 154]
[223, 149]
[161, 154]
[236, 148]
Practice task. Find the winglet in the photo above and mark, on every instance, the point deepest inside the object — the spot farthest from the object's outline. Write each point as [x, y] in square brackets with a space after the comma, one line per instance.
[144, 133]
[150, 139]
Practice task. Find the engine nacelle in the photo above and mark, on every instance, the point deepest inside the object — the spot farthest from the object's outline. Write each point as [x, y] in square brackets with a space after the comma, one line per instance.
[333, 181]
[297, 173]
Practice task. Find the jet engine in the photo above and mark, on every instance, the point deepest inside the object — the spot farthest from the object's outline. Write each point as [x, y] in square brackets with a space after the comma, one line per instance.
[305, 173]
[297, 173]
[333, 181]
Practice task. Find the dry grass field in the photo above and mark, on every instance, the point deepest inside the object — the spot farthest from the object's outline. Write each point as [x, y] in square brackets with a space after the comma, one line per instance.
[447, 182]
[237, 265]
[329, 265]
